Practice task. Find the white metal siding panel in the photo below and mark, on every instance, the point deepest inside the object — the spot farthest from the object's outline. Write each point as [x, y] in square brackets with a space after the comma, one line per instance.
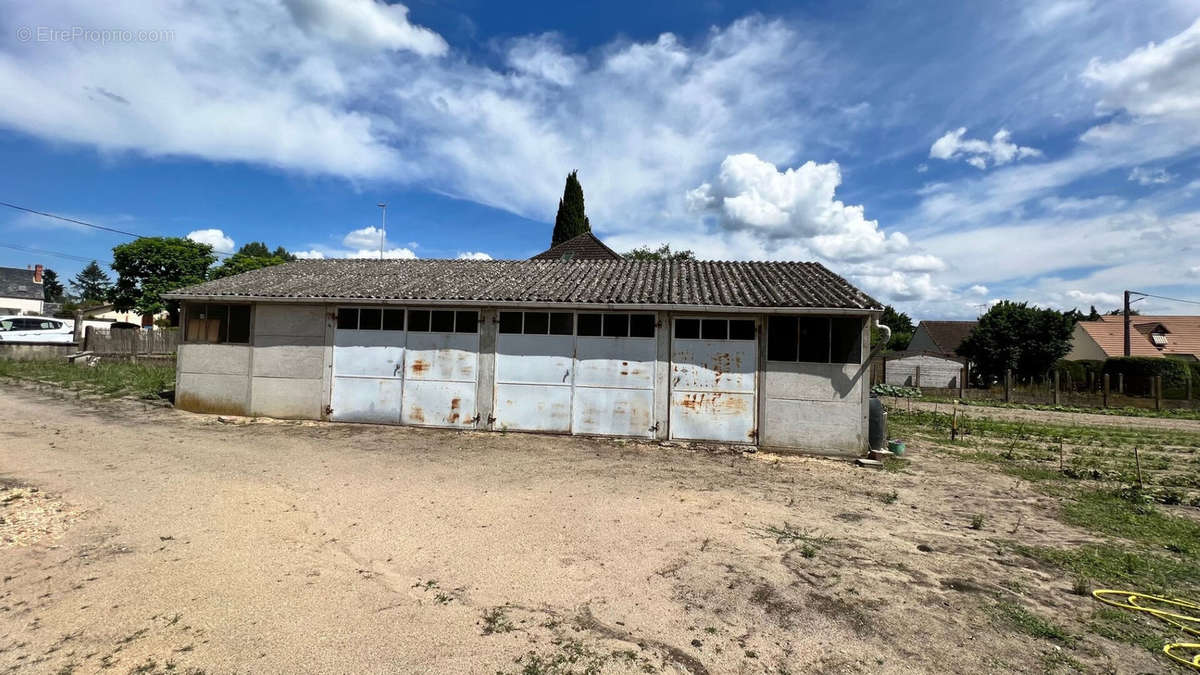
[613, 412]
[935, 371]
[368, 369]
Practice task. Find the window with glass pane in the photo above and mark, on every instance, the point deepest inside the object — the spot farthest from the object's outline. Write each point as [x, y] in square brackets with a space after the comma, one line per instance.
[616, 325]
[347, 318]
[442, 321]
[510, 322]
[370, 318]
[714, 329]
[589, 325]
[641, 325]
[741, 329]
[466, 322]
[393, 319]
[239, 324]
[537, 323]
[562, 323]
[687, 329]
[418, 320]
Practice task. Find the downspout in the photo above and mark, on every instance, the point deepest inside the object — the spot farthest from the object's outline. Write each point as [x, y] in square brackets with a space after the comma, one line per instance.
[887, 337]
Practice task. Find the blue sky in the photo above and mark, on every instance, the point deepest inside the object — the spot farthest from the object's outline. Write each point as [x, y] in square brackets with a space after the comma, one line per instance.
[940, 155]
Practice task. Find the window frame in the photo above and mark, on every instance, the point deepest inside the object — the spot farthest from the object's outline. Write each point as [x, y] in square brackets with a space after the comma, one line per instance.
[223, 333]
[829, 345]
[700, 319]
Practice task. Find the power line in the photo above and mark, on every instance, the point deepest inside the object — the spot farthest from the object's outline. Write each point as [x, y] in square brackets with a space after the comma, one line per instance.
[43, 252]
[70, 220]
[86, 224]
[1163, 297]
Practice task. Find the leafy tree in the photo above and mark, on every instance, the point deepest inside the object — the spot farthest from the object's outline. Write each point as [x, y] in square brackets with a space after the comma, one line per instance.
[148, 267]
[571, 221]
[251, 256]
[91, 284]
[663, 252]
[902, 329]
[1015, 336]
[52, 288]
[1119, 312]
[1092, 315]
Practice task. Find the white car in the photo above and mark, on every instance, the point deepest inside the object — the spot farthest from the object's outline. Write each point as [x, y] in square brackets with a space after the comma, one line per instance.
[35, 329]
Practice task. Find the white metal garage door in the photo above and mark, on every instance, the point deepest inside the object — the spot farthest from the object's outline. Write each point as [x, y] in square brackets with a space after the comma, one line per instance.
[713, 366]
[368, 365]
[589, 373]
[416, 367]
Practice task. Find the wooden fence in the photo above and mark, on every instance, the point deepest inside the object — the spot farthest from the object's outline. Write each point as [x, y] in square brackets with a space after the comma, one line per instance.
[131, 342]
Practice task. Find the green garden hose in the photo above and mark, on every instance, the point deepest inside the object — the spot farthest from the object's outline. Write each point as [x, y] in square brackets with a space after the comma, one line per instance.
[1167, 609]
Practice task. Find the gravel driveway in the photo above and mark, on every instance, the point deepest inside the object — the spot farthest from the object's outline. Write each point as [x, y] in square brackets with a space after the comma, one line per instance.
[169, 542]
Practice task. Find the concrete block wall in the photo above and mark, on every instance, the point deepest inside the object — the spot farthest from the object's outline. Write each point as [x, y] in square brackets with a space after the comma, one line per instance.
[288, 362]
[213, 378]
[818, 407]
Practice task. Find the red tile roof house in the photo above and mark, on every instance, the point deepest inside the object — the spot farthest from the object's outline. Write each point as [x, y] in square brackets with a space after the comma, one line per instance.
[773, 354]
[1176, 337]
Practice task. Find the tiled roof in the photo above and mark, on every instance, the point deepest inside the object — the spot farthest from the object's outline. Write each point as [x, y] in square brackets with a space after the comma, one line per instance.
[1183, 334]
[947, 335]
[582, 247]
[617, 282]
[16, 282]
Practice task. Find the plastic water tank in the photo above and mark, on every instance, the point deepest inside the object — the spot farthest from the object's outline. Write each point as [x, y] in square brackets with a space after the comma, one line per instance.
[877, 427]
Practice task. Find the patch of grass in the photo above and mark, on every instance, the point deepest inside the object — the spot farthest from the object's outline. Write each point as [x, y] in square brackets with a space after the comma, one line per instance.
[1122, 567]
[112, 379]
[1055, 660]
[1131, 517]
[977, 521]
[1017, 617]
[495, 620]
[1128, 628]
[789, 534]
[889, 497]
[895, 464]
[572, 656]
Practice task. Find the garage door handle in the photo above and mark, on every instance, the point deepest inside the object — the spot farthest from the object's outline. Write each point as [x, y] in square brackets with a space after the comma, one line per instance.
[566, 374]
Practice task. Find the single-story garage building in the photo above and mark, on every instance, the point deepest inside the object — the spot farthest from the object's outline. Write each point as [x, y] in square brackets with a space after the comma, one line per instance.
[771, 354]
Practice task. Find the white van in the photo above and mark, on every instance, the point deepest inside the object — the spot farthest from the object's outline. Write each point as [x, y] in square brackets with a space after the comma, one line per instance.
[35, 329]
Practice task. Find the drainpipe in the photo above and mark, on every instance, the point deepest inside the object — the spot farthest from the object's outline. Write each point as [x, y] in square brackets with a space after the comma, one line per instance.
[887, 336]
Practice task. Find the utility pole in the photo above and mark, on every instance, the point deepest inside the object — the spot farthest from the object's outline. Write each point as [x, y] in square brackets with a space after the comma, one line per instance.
[1126, 319]
[383, 231]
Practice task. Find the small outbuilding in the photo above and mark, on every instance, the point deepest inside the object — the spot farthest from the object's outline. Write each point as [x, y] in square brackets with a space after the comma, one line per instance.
[757, 353]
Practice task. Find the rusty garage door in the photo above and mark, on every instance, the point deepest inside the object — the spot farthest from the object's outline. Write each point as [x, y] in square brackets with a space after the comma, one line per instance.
[589, 373]
[368, 365]
[394, 366]
[441, 363]
[535, 362]
[713, 367]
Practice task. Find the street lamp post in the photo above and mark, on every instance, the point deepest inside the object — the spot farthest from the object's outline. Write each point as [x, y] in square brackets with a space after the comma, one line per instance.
[383, 228]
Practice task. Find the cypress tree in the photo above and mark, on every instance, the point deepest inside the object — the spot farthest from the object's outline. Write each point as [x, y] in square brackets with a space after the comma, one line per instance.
[571, 220]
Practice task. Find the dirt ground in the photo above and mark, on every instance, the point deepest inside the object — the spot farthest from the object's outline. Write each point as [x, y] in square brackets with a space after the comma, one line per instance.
[161, 541]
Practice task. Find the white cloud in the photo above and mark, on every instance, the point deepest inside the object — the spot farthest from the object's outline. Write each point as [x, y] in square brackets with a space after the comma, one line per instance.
[366, 23]
[543, 57]
[978, 289]
[920, 263]
[1094, 298]
[309, 255]
[752, 195]
[905, 287]
[474, 255]
[976, 152]
[400, 253]
[1159, 80]
[365, 237]
[1144, 176]
[214, 238]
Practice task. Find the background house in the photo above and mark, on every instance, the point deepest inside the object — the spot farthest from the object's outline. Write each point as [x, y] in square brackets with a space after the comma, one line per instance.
[1166, 336]
[770, 354]
[582, 247]
[931, 359]
[21, 290]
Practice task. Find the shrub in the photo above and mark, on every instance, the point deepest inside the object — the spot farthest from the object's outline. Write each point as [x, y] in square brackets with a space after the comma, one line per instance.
[1139, 369]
